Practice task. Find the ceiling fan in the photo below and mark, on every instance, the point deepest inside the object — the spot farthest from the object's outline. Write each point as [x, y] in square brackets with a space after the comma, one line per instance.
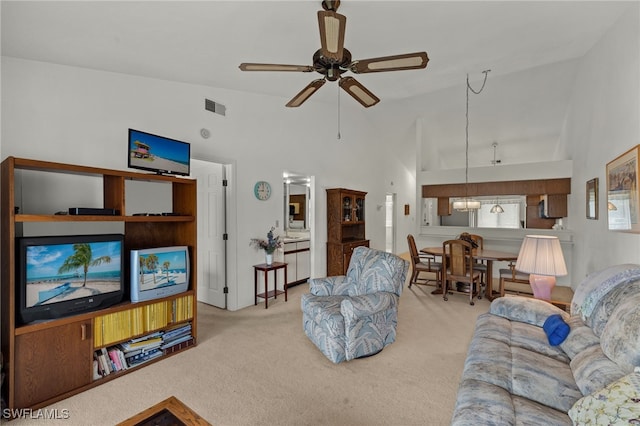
[333, 59]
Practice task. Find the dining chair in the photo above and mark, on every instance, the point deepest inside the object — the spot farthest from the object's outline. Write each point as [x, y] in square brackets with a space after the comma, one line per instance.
[480, 265]
[512, 275]
[423, 263]
[458, 268]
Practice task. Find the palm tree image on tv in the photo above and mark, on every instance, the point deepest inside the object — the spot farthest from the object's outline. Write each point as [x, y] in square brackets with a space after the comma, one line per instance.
[82, 258]
[59, 272]
[161, 269]
[151, 263]
[165, 267]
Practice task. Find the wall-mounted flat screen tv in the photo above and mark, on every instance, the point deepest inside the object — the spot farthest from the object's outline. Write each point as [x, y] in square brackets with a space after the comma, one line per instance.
[158, 154]
[65, 275]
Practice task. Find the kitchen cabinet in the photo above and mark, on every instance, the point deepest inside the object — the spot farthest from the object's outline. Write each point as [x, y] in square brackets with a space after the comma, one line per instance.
[298, 255]
[345, 227]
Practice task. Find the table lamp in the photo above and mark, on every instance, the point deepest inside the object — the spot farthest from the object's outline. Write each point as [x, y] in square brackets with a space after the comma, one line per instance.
[541, 257]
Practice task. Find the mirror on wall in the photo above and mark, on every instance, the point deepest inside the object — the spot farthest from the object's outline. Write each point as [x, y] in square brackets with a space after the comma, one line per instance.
[296, 202]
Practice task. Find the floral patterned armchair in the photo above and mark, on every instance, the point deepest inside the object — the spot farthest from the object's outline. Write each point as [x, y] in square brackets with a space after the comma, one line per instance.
[355, 315]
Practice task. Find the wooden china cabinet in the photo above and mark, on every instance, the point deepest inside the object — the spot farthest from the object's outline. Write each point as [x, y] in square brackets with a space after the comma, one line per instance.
[345, 227]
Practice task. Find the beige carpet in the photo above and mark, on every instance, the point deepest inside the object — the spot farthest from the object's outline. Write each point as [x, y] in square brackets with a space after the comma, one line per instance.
[256, 367]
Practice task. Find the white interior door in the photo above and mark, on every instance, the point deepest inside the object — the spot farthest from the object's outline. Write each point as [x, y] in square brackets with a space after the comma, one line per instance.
[390, 223]
[211, 230]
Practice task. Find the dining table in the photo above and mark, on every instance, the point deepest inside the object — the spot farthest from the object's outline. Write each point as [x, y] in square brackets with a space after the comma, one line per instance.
[489, 255]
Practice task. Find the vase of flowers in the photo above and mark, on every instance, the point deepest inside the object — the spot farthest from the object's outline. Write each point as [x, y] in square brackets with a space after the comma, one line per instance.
[271, 244]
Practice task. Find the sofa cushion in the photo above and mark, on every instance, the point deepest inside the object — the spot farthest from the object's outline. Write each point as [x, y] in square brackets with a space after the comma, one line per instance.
[517, 358]
[602, 291]
[595, 280]
[617, 403]
[513, 333]
[525, 309]
[620, 338]
[543, 379]
[481, 403]
[602, 311]
[593, 370]
[580, 337]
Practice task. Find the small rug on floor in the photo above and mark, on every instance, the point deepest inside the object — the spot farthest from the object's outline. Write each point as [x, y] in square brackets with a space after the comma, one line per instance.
[171, 411]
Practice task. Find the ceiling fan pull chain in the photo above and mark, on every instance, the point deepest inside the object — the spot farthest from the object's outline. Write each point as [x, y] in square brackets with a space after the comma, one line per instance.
[338, 112]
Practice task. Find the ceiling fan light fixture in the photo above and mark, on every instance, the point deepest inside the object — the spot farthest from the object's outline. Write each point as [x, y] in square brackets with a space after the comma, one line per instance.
[332, 28]
[358, 92]
[305, 93]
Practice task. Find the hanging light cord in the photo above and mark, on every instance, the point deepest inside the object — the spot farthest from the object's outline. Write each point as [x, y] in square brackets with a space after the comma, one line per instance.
[466, 165]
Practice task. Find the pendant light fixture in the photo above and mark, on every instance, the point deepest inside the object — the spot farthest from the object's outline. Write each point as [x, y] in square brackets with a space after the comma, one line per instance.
[467, 203]
[497, 208]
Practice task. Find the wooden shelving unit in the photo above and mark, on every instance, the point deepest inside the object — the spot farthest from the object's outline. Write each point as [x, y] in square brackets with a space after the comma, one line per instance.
[49, 361]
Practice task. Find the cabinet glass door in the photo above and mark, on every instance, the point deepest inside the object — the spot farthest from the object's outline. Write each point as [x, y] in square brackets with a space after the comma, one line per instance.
[359, 209]
[347, 207]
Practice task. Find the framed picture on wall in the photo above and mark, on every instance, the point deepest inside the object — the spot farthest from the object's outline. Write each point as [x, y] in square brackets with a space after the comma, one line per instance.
[592, 199]
[623, 208]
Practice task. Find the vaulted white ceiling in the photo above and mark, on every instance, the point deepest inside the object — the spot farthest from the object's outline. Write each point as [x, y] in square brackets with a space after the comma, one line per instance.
[203, 42]
[532, 48]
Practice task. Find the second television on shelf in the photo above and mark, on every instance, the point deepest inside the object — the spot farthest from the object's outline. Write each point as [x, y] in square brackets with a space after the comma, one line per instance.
[158, 154]
[159, 272]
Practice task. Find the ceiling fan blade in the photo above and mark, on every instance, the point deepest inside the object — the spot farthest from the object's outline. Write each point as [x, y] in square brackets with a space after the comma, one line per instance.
[358, 91]
[409, 61]
[305, 93]
[332, 28]
[274, 67]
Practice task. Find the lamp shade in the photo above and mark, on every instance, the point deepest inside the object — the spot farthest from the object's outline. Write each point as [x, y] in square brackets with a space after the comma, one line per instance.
[541, 255]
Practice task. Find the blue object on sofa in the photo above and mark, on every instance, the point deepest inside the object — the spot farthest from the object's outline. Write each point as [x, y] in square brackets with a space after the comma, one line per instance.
[556, 329]
[355, 315]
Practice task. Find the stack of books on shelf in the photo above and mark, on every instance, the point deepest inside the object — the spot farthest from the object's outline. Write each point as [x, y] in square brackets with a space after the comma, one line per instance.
[176, 338]
[142, 349]
[107, 361]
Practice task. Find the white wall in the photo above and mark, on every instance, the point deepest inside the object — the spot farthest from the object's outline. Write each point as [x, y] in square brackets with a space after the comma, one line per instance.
[75, 115]
[602, 123]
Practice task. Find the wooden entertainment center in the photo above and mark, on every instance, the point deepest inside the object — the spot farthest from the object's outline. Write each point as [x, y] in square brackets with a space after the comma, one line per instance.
[48, 361]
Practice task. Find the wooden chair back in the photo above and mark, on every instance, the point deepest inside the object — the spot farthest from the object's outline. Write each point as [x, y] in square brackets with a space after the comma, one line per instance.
[459, 267]
[458, 261]
[413, 250]
[478, 240]
[423, 263]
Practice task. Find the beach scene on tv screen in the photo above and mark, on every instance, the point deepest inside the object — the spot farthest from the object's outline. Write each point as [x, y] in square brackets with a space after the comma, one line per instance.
[159, 270]
[153, 152]
[60, 272]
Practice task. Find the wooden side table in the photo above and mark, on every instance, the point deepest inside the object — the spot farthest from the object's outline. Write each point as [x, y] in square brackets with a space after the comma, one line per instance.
[267, 293]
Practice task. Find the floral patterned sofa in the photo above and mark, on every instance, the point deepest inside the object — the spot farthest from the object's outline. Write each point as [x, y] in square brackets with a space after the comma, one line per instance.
[513, 375]
[355, 315]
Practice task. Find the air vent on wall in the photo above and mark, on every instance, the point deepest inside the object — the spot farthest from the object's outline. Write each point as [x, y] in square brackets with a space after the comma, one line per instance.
[215, 107]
